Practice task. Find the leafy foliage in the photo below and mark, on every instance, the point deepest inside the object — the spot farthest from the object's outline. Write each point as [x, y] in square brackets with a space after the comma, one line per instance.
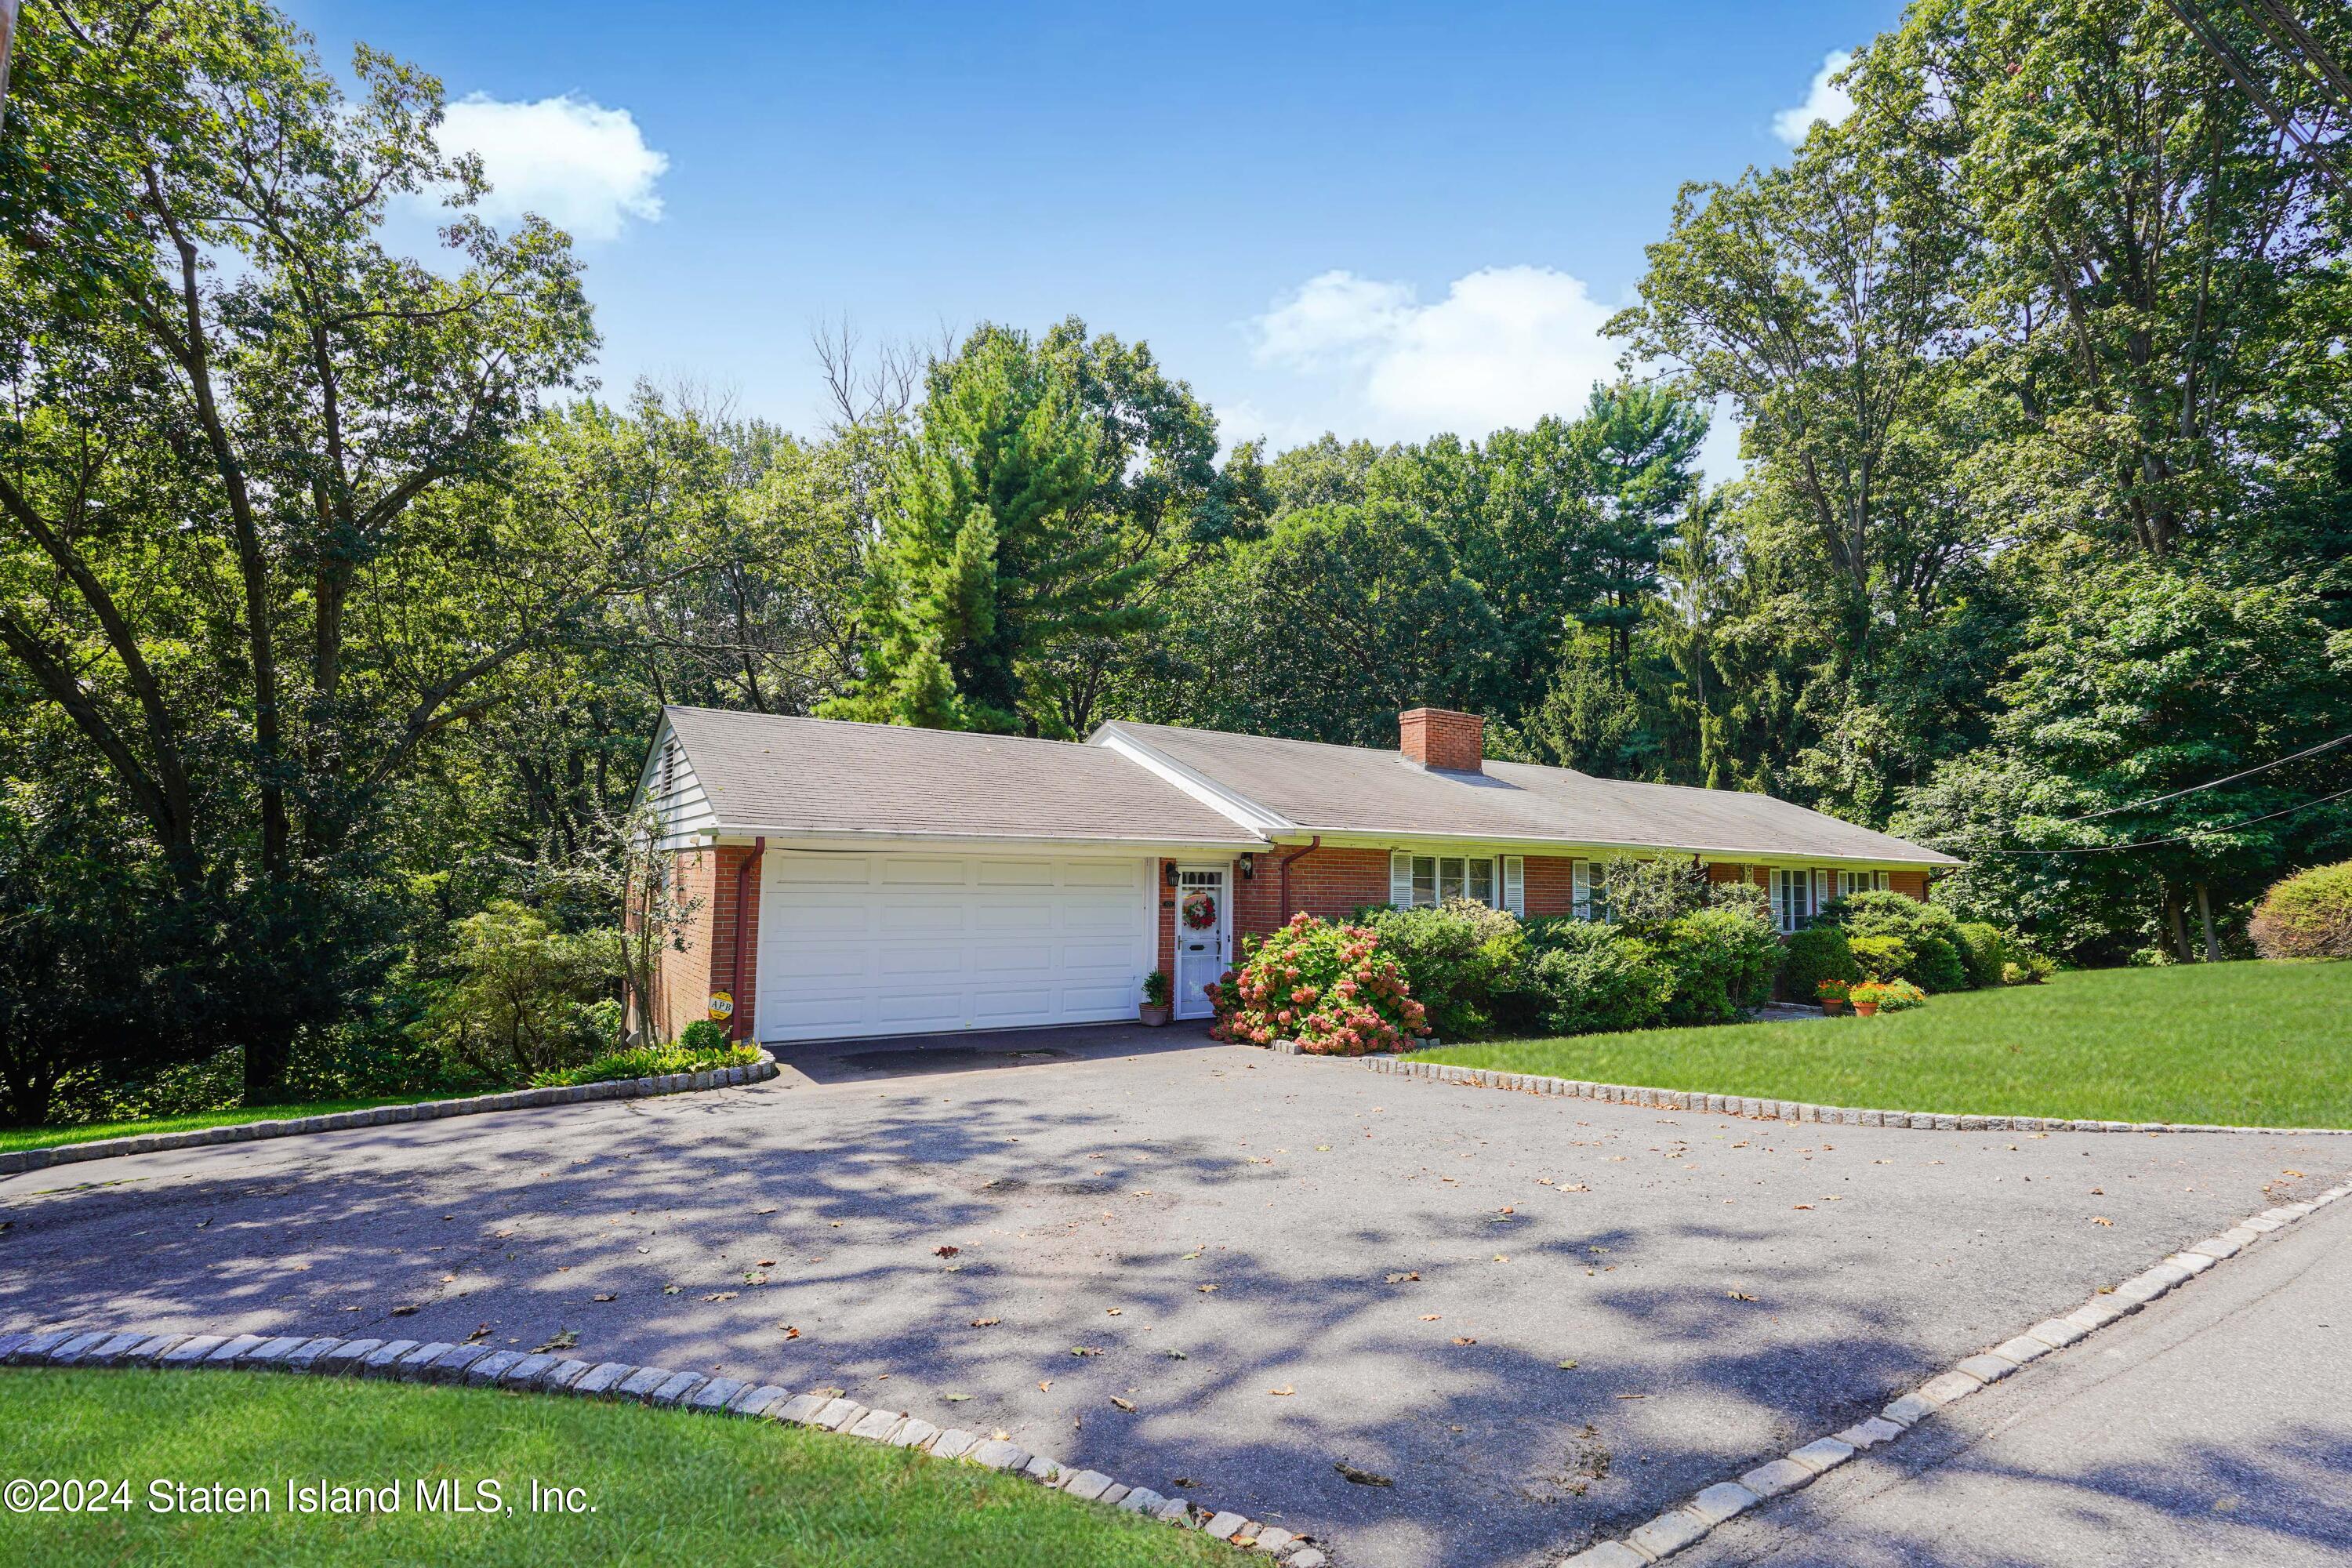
[1466, 963]
[524, 999]
[1327, 986]
[1812, 955]
[688, 1054]
[2308, 915]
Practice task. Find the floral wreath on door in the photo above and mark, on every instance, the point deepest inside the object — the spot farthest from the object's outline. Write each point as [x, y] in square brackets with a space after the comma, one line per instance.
[1200, 910]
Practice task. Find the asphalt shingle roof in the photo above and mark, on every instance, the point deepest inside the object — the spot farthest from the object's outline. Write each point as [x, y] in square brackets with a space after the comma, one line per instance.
[1360, 789]
[765, 773]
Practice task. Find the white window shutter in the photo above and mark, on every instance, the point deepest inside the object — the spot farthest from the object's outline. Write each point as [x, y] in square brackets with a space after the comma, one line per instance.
[1824, 888]
[1514, 885]
[1400, 879]
[1583, 891]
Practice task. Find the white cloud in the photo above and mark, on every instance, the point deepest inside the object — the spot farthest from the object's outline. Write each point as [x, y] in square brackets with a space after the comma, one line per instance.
[582, 167]
[1826, 101]
[1504, 347]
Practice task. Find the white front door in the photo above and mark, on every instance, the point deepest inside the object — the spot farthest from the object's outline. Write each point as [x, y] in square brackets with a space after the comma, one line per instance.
[1199, 947]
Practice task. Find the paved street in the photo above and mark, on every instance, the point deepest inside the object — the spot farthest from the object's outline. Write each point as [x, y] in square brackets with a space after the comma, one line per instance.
[2214, 1428]
[1542, 1318]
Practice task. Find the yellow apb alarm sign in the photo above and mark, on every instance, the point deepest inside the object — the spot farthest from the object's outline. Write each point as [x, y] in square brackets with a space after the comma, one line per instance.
[722, 1006]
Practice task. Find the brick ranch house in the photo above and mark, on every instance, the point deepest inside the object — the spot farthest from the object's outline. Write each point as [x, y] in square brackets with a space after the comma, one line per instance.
[855, 879]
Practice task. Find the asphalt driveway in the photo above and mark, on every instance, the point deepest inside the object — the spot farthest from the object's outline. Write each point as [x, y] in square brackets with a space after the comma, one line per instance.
[1541, 1318]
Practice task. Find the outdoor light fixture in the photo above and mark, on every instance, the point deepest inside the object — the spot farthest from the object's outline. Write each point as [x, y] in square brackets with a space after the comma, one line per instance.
[1168, 872]
[1249, 866]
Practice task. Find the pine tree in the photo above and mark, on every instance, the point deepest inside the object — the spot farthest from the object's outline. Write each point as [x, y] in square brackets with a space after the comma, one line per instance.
[981, 568]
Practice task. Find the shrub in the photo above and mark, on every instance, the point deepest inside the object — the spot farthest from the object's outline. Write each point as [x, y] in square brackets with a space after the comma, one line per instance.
[1880, 958]
[2031, 970]
[1156, 989]
[1815, 955]
[1984, 952]
[1746, 897]
[1646, 894]
[1327, 986]
[2308, 915]
[1723, 962]
[1589, 978]
[651, 1061]
[1467, 962]
[1930, 932]
[523, 1000]
[703, 1035]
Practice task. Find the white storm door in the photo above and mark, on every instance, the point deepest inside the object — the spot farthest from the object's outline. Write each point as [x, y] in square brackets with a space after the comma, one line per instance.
[1200, 950]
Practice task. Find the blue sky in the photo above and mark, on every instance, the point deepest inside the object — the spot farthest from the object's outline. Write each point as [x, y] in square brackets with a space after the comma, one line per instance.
[1382, 220]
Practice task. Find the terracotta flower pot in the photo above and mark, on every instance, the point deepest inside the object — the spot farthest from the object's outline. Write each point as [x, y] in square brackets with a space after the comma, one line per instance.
[1832, 1006]
[1153, 1018]
[1866, 1009]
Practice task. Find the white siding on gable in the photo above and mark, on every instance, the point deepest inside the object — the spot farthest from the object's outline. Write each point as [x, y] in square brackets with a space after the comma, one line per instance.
[670, 787]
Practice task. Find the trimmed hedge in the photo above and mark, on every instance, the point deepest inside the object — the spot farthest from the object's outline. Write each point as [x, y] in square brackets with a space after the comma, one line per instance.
[1809, 956]
[2308, 915]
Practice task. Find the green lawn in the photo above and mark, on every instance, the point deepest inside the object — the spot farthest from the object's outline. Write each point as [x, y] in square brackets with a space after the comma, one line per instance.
[666, 1487]
[85, 1132]
[2251, 1043]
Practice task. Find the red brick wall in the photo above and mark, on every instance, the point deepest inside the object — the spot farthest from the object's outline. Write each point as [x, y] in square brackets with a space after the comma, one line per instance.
[1914, 883]
[1550, 885]
[684, 980]
[1166, 896]
[1441, 738]
[1328, 882]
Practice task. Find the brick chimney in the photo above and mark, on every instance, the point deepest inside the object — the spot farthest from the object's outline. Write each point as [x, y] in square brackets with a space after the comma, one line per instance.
[1441, 739]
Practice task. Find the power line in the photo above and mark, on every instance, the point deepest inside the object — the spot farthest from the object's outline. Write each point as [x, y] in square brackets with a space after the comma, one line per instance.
[2214, 783]
[2176, 838]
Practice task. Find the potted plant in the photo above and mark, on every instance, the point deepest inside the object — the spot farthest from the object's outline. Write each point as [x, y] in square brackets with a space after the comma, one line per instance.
[1865, 998]
[1900, 995]
[1832, 994]
[1156, 1009]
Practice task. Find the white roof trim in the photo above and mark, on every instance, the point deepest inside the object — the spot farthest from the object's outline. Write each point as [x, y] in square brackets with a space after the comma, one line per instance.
[1217, 797]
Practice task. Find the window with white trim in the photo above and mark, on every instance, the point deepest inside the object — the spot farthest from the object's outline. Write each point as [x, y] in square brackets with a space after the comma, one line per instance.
[1793, 899]
[1423, 879]
[1589, 891]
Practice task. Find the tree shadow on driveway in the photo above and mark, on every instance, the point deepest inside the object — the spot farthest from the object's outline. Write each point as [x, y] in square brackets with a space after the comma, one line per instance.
[1538, 1321]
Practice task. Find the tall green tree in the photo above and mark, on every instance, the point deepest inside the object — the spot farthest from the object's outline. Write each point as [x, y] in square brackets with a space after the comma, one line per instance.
[228, 409]
[986, 564]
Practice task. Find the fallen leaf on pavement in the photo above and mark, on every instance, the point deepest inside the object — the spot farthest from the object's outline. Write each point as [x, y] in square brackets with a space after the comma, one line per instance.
[722, 1295]
[986, 1323]
[790, 1333]
[937, 1251]
[1739, 1295]
[1111, 1311]
[563, 1341]
[401, 1312]
[2101, 1219]
[955, 1398]
[1567, 1366]
[1125, 1404]
[1801, 1206]
[1045, 1384]
[1460, 1340]
[1404, 1278]
[765, 1263]
[1175, 1356]
[1208, 1289]
[1361, 1478]
[1085, 1350]
[1284, 1392]
[1429, 1317]
[601, 1296]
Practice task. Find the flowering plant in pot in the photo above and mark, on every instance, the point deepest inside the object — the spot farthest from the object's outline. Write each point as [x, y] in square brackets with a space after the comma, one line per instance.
[1832, 994]
[1156, 1008]
[1865, 998]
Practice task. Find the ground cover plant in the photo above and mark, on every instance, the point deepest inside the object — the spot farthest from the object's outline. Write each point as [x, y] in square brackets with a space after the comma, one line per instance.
[1329, 987]
[2240, 1042]
[665, 1485]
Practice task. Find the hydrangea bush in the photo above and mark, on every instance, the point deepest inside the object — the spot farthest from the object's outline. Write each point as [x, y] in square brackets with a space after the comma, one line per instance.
[1327, 986]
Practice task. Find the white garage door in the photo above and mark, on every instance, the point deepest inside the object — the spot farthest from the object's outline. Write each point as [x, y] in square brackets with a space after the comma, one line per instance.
[904, 945]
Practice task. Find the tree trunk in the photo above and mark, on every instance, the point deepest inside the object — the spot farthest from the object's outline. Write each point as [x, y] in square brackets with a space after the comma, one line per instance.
[2205, 918]
[2175, 926]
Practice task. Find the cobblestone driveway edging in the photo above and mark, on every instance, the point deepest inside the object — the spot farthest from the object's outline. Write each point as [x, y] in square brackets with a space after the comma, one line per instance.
[1681, 1526]
[1773, 1110]
[21, 1160]
[480, 1366]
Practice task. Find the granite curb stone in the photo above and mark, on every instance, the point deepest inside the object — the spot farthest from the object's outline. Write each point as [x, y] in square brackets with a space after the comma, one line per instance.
[17, 1162]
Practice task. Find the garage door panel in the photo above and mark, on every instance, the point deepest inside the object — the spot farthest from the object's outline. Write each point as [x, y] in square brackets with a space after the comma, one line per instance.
[905, 1011]
[802, 1016]
[1013, 958]
[920, 918]
[1014, 1008]
[819, 963]
[1104, 1002]
[929, 962]
[880, 943]
[910, 872]
[1016, 873]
